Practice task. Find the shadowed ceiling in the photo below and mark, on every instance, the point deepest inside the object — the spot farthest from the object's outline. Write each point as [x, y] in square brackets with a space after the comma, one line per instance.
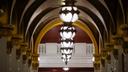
[31, 16]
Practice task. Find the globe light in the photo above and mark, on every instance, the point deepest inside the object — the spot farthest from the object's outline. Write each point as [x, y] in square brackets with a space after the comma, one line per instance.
[69, 13]
[66, 43]
[65, 68]
[66, 50]
[67, 32]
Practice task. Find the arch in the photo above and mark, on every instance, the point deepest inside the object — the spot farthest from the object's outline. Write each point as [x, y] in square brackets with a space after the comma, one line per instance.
[57, 22]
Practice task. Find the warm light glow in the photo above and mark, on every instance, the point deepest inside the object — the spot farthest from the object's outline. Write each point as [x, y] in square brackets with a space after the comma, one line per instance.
[65, 68]
[66, 44]
[66, 51]
[69, 14]
[67, 32]
[93, 59]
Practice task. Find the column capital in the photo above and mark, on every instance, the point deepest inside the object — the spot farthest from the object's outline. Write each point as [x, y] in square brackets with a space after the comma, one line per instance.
[17, 39]
[124, 30]
[7, 30]
[35, 62]
[96, 66]
[109, 46]
[103, 53]
[117, 41]
[97, 57]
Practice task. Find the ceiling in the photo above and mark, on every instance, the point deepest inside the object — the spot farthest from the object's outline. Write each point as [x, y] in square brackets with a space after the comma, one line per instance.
[34, 18]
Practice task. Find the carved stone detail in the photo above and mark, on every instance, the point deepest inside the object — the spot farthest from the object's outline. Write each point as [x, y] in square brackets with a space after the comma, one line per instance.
[17, 40]
[6, 30]
[96, 66]
[35, 62]
[97, 58]
[124, 30]
[24, 47]
[109, 47]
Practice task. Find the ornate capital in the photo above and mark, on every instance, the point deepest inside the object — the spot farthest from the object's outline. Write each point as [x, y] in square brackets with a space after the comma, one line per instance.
[35, 62]
[28, 53]
[35, 57]
[124, 30]
[17, 40]
[24, 47]
[104, 53]
[35, 65]
[96, 66]
[109, 47]
[117, 41]
[97, 58]
[6, 30]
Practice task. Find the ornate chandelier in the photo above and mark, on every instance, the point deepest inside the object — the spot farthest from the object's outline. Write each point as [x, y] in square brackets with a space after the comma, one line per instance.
[68, 14]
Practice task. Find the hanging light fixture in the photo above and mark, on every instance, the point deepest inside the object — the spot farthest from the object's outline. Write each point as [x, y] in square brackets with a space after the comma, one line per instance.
[69, 12]
[66, 58]
[67, 32]
[66, 43]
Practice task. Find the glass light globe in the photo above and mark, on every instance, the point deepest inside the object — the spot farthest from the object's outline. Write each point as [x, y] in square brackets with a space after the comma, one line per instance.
[66, 51]
[67, 32]
[65, 68]
[66, 44]
[69, 13]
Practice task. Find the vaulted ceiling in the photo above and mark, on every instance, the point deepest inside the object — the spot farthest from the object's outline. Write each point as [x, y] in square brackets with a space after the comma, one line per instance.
[32, 16]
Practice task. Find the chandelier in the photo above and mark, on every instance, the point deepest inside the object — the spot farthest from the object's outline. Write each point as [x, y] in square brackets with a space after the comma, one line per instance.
[68, 14]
